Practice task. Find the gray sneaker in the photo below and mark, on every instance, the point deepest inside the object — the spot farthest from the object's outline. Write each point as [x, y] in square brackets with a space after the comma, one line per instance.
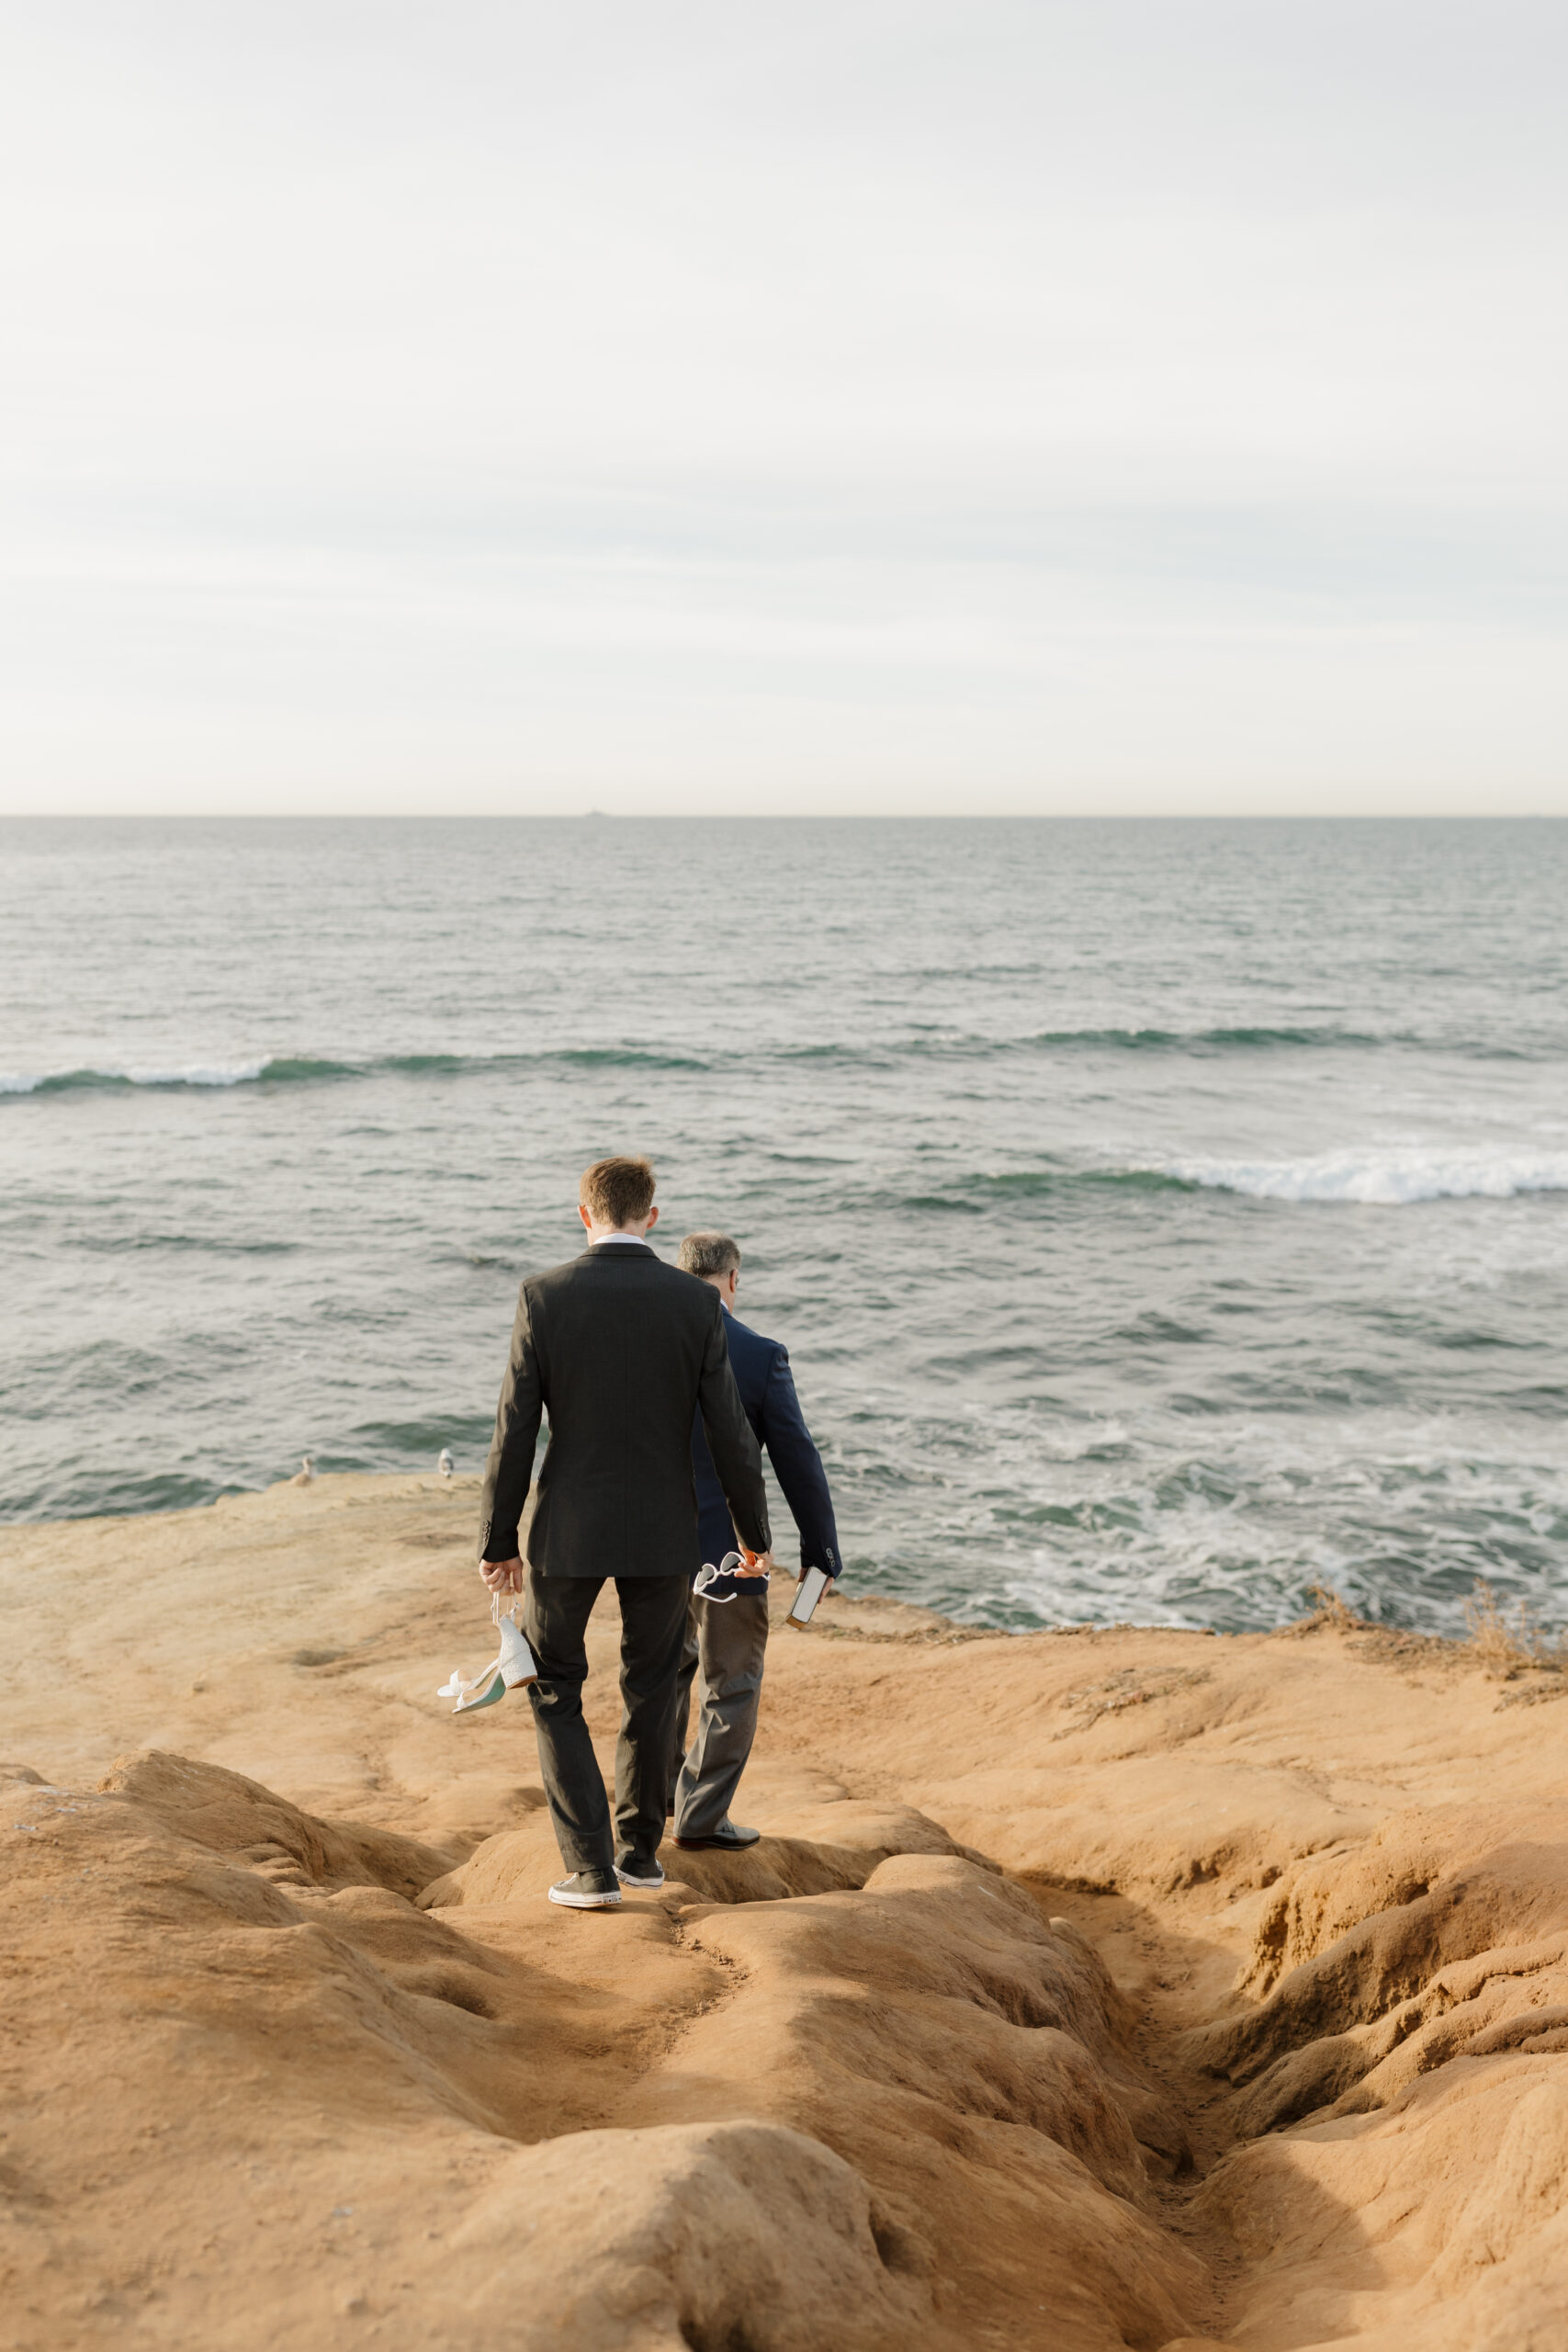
[587, 1890]
[638, 1870]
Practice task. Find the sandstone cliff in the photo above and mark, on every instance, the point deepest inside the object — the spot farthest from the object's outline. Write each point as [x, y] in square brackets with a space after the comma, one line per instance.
[1087, 1990]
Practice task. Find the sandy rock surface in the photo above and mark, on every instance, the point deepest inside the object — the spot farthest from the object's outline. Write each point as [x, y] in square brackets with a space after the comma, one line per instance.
[1086, 1990]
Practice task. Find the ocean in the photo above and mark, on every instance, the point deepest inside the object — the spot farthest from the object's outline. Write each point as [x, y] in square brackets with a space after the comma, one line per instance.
[1161, 1217]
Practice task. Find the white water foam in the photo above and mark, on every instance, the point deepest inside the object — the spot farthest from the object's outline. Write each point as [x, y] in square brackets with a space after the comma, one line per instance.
[88, 1077]
[1392, 1176]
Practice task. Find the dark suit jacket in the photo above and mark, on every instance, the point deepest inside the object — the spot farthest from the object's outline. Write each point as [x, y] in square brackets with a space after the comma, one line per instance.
[620, 1350]
[767, 1391]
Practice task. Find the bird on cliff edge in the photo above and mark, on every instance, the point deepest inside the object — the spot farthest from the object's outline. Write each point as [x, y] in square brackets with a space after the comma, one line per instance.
[445, 1463]
[305, 1472]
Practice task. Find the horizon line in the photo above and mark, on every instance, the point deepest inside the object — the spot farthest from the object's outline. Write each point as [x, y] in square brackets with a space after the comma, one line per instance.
[95, 816]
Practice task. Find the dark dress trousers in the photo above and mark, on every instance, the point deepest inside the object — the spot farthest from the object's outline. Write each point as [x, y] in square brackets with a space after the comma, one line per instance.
[620, 1350]
[729, 1639]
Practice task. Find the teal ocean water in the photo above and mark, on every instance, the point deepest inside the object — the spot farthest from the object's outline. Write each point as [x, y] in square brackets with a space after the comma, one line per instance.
[1159, 1216]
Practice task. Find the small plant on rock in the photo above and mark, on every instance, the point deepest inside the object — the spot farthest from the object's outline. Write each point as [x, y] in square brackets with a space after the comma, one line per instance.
[1509, 1644]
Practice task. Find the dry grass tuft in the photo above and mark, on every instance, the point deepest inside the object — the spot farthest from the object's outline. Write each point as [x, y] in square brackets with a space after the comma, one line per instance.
[1331, 1613]
[1513, 1645]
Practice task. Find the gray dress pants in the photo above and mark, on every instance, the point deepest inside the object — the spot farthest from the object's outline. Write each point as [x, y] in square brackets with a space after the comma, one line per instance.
[725, 1641]
[653, 1629]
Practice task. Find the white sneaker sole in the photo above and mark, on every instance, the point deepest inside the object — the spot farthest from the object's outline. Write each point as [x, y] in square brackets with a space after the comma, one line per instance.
[649, 1886]
[584, 1902]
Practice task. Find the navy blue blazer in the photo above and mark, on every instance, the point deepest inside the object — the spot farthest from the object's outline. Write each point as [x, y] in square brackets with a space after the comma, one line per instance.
[767, 1391]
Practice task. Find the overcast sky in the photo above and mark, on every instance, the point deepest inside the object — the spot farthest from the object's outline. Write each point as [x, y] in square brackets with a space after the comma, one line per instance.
[691, 405]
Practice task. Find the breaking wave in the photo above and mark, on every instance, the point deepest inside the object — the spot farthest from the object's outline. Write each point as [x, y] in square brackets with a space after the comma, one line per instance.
[301, 1069]
[308, 1069]
[1394, 1177]
[93, 1081]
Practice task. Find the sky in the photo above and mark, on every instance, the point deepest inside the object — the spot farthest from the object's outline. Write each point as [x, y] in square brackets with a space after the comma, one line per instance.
[1128, 407]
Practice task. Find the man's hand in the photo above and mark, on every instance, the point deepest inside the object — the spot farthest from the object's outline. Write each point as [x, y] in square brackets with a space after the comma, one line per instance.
[755, 1563]
[501, 1575]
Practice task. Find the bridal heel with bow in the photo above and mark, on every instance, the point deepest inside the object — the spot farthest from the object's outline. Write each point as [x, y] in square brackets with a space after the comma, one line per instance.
[509, 1670]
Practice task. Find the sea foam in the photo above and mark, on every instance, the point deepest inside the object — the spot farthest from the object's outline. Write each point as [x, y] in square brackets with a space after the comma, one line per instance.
[304, 1069]
[90, 1080]
[1392, 1176]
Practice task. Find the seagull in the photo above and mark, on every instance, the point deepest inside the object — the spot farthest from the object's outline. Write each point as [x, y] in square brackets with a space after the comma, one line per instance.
[305, 1472]
[446, 1465]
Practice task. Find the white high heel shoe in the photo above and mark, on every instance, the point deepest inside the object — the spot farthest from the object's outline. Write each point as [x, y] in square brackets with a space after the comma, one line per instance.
[511, 1669]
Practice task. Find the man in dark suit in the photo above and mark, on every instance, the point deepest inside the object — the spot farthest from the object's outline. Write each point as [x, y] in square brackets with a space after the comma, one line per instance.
[622, 1352]
[728, 1638]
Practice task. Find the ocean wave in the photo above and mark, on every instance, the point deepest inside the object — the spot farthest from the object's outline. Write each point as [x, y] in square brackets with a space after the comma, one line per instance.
[1218, 1041]
[92, 1081]
[964, 1045]
[975, 1192]
[1244, 1039]
[1394, 1177]
[296, 1069]
[301, 1069]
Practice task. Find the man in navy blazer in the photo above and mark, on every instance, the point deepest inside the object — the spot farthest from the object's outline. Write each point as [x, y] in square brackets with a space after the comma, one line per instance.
[725, 1639]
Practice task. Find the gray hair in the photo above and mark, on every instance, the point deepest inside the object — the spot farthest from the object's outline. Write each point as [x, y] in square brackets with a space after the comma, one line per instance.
[708, 1254]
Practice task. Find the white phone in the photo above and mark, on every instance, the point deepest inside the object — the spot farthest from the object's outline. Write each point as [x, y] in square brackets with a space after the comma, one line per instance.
[813, 1584]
